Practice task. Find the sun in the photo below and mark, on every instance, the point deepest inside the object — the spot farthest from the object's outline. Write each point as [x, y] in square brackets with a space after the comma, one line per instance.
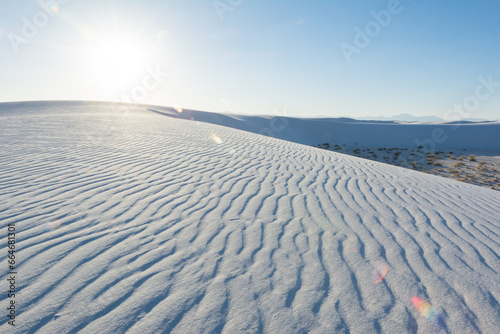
[117, 62]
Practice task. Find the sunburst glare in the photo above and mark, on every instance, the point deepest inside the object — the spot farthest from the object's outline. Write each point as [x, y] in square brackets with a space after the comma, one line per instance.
[117, 61]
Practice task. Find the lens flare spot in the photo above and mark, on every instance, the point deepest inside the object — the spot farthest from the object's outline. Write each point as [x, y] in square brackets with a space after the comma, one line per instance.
[53, 225]
[216, 138]
[380, 273]
[54, 8]
[426, 310]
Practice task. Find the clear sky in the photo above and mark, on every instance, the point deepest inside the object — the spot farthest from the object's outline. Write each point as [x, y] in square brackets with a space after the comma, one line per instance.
[299, 58]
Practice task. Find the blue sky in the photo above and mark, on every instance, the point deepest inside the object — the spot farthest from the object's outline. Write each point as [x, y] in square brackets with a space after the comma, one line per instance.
[256, 56]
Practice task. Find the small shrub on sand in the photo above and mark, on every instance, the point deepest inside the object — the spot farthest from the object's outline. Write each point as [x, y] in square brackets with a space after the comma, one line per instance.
[472, 157]
[458, 164]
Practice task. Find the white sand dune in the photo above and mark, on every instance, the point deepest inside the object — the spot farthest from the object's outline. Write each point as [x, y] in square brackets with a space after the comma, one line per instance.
[314, 131]
[142, 223]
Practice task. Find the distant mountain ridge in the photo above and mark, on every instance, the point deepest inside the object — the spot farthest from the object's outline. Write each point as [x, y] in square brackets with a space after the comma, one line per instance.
[410, 118]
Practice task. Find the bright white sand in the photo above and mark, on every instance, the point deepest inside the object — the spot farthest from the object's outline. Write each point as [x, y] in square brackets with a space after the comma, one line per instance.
[169, 225]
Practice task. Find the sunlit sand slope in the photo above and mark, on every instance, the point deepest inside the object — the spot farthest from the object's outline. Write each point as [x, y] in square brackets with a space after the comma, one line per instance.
[142, 223]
